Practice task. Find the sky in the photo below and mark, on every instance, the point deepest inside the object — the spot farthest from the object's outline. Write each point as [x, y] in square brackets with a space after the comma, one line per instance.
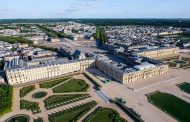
[15, 9]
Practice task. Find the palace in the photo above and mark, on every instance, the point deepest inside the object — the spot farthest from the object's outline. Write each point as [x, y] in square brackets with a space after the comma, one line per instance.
[45, 69]
[160, 53]
[125, 68]
[124, 73]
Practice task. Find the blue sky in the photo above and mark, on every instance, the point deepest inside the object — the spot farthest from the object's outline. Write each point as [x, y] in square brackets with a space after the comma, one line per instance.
[94, 9]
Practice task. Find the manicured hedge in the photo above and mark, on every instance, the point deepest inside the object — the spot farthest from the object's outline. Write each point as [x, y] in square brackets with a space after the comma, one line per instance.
[74, 85]
[72, 114]
[104, 115]
[6, 96]
[59, 100]
[32, 106]
[52, 83]
[25, 90]
[93, 81]
[129, 111]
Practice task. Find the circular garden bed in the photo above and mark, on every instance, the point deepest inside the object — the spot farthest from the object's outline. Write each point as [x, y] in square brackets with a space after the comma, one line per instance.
[39, 94]
[19, 118]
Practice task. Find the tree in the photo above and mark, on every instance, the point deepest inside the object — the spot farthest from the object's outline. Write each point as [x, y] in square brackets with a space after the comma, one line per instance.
[101, 34]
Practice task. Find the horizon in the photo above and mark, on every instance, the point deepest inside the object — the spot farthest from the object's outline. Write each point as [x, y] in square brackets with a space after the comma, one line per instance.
[94, 18]
[93, 9]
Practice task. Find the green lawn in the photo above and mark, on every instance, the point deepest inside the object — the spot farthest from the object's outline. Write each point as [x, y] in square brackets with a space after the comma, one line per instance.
[52, 83]
[104, 115]
[6, 95]
[172, 105]
[185, 87]
[33, 106]
[74, 85]
[73, 114]
[56, 100]
[25, 90]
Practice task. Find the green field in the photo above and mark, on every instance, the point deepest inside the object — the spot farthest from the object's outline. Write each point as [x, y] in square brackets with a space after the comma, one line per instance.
[33, 106]
[25, 90]
[175, 107]
[52, 83]
[73, 114]
[56, 100]
[104, 115]
[185, 87]
[74, 85]
[6, 95]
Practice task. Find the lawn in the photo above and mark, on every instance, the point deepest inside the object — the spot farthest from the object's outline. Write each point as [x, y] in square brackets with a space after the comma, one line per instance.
[6, 95]
[52, 83]
[25, 90]
[74, 85]
[57, 100]
[175, 107]
[33, 106]
[73, 114]
[185, 87]
[104, 115]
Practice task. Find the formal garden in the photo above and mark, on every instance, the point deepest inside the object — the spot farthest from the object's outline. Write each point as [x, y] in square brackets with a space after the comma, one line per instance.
[55, 95]
[184, 87]
[104, 115]
[59, 100]
[73, 114]
[172, 105]
[73, 85]
[25, 90]
[52, 83]
[31, 106]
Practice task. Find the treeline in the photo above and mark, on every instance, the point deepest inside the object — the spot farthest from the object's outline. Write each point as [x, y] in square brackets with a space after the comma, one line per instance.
[13, 40]
[6, 95]
[184, 23]
[52, 33]
[100, 34]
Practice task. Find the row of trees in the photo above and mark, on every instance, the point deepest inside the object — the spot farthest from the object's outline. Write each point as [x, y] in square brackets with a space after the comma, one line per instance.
[100, 34]
[52, 33]
[13, 40]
